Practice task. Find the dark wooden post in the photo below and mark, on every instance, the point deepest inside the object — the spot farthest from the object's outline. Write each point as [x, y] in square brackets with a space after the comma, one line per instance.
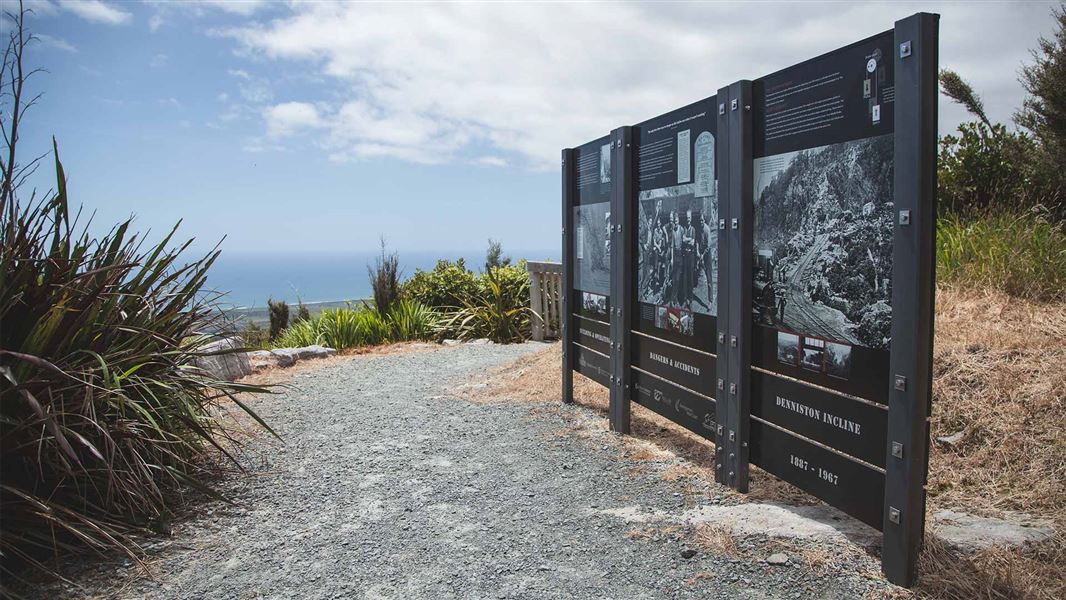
[913, 287]
[623, 185]
[566, 294]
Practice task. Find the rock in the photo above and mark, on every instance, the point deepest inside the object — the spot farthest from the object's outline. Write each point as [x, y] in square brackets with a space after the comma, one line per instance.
[480, 342]
[779, 559]
[952, 439]
[286, 357]
[688, 553]
[973, 533]
[262, 359]
[450, 342]
[224, 362]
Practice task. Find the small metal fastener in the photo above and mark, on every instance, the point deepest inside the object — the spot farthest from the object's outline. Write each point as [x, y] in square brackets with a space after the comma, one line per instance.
[718, 449]
[721, 337]
[721, 223]
[718, 466]
[732, 474]
[900, 383]
[733, 104]
[732, 457]
[721, 386]
[733, 341]
[732, 388]
[732, 435]
[721, 109]
[719, 427]
[905, 49]
[747, 107]
[736, 223]
[904, 217]
[897, 449]
[893, 515]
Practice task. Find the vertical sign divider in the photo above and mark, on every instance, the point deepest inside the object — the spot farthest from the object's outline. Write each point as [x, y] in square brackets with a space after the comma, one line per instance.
[724, 159]
[913, 264]
[623, 178]
[566, 294]
[740, 240]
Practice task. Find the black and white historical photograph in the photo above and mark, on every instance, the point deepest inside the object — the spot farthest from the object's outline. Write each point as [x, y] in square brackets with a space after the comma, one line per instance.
[838, 360]
[813, 355]
[823, 241]
[594, 303]
[677, 254]
[788, 348]
[592, 247]
[674, 319]
[605, 163]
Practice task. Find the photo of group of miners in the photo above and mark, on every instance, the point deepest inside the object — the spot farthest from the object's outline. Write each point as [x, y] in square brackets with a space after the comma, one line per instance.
[677, 253]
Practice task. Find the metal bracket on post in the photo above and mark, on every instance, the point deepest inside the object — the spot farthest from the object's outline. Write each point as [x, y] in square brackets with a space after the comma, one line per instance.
[913, 287]
[623, 187]
[566, 294]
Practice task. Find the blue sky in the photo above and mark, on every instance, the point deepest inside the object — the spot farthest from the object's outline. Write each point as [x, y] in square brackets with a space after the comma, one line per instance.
[317, 127]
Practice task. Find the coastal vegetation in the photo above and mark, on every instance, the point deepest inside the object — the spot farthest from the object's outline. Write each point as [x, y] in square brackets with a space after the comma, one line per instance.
[448, 302]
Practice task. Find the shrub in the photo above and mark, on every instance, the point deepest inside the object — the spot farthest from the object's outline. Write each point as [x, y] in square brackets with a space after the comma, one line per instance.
[1021, 253]
[446, 286]
[385, 280]
[253, 336]
[279, 316]
[410, 320]
[497, 311]
[353, 327]
[299, 334]
[302, 314]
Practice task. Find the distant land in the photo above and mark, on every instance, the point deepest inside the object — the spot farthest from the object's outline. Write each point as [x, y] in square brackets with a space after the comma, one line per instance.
[322, 280]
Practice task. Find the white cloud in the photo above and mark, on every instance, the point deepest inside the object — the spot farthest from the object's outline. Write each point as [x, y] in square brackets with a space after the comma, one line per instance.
[48, 41]
[491, 161]
[155, 22]
[158, 61]
[433, 83]
[223, 97]
[289, 118]
[239, 73]
[97, 11]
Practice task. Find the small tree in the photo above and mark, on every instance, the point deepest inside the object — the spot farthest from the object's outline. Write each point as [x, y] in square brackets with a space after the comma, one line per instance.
[1043, 114]
[302, 314]
[494, 257]
[279, 316]
[385, 279]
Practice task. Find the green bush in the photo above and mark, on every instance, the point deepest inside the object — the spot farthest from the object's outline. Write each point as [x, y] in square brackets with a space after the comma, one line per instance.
[499, 311]
[1021, 253]
[103, 413]
[410, 320]
[354, 327]
[385, 280]
[448, 285]
[279, 316]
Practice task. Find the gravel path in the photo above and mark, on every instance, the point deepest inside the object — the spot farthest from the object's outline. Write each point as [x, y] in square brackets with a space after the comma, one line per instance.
[388, 486]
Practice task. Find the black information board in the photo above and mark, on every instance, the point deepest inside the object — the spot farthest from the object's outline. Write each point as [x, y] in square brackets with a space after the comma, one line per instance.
[823, 209]
[771, 281]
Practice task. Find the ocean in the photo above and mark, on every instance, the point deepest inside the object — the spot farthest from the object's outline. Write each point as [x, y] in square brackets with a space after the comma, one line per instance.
[249, 279]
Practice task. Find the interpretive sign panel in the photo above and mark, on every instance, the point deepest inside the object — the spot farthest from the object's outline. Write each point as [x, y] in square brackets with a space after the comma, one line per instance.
[822, 272]
[771, 285]
[676, 265]
[591, 251]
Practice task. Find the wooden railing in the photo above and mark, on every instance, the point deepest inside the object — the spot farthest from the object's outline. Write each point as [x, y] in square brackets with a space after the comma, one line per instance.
[545, 284]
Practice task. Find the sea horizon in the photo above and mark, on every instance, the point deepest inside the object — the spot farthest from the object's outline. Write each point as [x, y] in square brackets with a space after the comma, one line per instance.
[249, 279]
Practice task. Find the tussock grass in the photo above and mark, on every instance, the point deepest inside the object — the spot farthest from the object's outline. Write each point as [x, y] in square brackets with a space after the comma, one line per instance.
[1019, 253]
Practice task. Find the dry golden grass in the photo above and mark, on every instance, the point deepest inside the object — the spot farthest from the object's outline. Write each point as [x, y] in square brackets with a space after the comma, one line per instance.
[999, 379]
[715, 539]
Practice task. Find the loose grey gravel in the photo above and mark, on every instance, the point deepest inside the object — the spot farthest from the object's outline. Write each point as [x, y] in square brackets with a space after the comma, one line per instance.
[388, 486]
